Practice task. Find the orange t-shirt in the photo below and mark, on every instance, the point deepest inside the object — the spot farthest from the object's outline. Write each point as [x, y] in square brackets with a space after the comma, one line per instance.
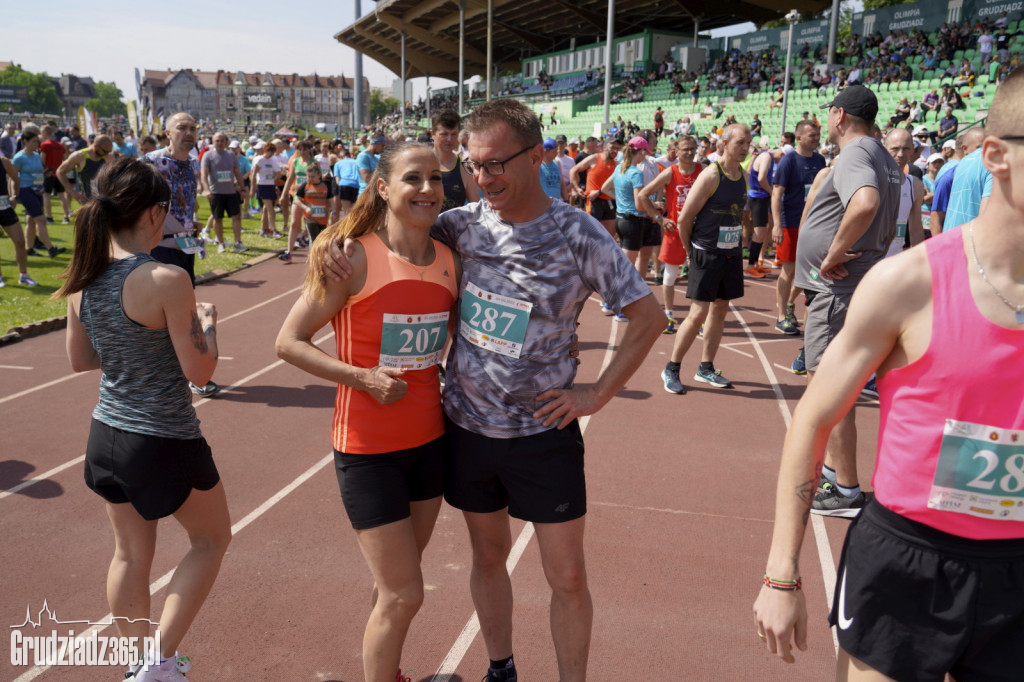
[598, 173]
[394, 320]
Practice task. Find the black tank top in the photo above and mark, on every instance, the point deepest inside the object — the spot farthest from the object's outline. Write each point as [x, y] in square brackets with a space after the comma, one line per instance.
[89, 171]
[717, 226]
[454, 190]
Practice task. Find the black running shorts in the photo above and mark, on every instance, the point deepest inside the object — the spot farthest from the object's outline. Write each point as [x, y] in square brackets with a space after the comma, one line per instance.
[760, 210]
[915, 603]
[539, 478]
[714, 276]
[637, 231]
[155, 474]
[602, 209]
[231, 204]
[377, 489]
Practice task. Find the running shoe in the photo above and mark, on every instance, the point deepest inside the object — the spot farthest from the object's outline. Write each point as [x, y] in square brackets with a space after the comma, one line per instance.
[65, 222]
[38, 244]
[240, 247]
[776, 263]
[753, 272]
[668, 316]
[49, 220]
[221, 248]
[670, 328]
[31, 252]
[208, 391]
[171, 670]
[672, 383]
[2, 283]
[786, 327]
[764, 266]
[286, 257]
[507, 675]
[799, 366]
[606, 309]
[870, 388]
[205, 233]
[621, 318]
[712, 377]
[830, 502]
[55, 251]
[746, 252]
[685, 271]
[24, 280]
[791, 314]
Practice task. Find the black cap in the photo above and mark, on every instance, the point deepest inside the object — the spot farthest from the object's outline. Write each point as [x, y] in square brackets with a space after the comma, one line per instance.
[560, 138]
[856, 100]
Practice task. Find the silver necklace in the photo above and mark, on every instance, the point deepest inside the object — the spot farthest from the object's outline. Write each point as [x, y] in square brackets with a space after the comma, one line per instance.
[1018, 310]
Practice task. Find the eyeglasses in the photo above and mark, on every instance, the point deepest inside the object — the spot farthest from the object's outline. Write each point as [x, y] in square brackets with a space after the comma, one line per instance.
[1011, 137]
[493, 168]
[163, 204]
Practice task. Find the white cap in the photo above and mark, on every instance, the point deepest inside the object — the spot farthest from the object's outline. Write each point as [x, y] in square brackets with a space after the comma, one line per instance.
[259, 145]
[574, 140]
[253, 139]
[949, 144]
[787, 148]
[936, 157]
[235, 144]
[921, 130]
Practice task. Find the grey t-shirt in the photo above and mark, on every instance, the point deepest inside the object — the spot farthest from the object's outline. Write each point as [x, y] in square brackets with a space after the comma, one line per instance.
[523, 288]
[864, 162]
[221, 170]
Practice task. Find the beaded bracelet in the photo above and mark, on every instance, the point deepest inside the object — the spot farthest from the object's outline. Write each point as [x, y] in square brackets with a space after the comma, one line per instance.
[788, 585]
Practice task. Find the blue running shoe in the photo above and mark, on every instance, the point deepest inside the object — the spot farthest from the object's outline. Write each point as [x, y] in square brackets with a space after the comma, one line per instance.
[799, 366]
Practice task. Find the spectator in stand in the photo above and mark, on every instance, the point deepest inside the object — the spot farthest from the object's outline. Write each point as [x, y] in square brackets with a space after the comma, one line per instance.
[930, 103]
[902, 112]
[985, 44]
[949, 123]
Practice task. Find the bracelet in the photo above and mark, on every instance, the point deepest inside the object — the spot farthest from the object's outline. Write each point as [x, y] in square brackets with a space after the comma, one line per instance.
[787, 585]
[209, 329]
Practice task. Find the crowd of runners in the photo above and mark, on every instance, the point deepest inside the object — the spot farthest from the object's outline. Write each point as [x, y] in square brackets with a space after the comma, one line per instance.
[477, 249]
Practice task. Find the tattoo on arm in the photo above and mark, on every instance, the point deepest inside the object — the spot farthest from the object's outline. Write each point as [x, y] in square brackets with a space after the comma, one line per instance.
[198, 337]
[805, 493]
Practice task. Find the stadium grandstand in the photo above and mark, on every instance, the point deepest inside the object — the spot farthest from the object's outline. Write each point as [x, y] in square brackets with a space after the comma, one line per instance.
[918, 57]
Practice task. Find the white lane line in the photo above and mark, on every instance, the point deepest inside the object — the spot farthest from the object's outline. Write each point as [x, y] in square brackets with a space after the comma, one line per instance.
[56, 470]
[446, 671]
[757, 312]
[14, 367]
[162, 581]
[828, 566]
[72, 376]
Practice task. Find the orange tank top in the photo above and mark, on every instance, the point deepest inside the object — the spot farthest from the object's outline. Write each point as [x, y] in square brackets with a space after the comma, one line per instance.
[398, 319]
[600, 172]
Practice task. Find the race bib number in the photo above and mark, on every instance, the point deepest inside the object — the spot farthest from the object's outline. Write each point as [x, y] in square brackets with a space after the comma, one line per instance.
[38, 178]
[980, 472]
[807, 190]
[901, 231]
[188, 244]
[494, 322]
[267, 175]
[412, 341]
[729, 236]
[926, 219]
[318, 211]
[224, 176]
[5, 202]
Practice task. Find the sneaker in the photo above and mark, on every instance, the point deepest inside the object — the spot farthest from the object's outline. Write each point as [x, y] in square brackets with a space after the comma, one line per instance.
[205, 233]
[297, 245]
[286, 257]
[2, 283]
[621, 318]
[507, 675]
[786, 327]
[24, 280]
[765, 266]
[55, 251]
[49, 220]
[38, 244]
[746, 252]
[208, 391]
[171, 670]
[240, 247]
[606, 309]
[776, 263]
[830, 502]
[65, 222]
[685, 271]
[31, 252]
[799, 366]
[672, 382]
[670, 329]
[791, 315]
[668, 316]
[753, 272]
[221, 248]
[401, 677]
[870, 388]
[712, 377]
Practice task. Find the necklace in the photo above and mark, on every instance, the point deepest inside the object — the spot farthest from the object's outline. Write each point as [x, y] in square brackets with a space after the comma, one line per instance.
[1018, 310]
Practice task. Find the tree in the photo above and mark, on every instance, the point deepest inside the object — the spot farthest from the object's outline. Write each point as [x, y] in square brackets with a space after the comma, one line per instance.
[381, 106]
[875, 4]
[42, 95]
[109, 101]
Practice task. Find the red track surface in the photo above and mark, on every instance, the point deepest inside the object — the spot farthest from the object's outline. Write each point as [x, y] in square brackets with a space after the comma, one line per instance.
[681, 493]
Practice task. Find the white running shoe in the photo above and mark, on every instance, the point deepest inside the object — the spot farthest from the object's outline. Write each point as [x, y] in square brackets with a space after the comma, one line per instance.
[170, 670]
[240, 247]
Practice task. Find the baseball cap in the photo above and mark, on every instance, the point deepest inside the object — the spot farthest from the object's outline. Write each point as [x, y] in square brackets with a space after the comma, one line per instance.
[380, 139]
[259, 145]
[787, 148]
[921, 130]
[234, 144]
[560, 138]
[574, 140]
[949, 144]
[549, 143]
[936, 157]
[253, 139]
[638, 143]
[856, 100]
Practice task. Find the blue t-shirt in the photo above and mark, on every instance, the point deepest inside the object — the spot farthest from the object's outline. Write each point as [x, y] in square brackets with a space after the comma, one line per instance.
[796, 173]
[126, 149]
[929, 186]
[625, 183]
[940, 202]
[946, 167]
[244, 164]
[30, 168]
[347, 172]
[365, 161]
[972, 183]
[551, 179]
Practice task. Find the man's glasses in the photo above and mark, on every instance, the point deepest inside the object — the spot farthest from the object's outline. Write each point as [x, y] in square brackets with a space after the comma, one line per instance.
[1011, 137]
[163, 204]
[493, 168]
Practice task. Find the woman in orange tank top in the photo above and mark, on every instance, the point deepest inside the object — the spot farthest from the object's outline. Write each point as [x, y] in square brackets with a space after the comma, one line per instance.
[391, 320]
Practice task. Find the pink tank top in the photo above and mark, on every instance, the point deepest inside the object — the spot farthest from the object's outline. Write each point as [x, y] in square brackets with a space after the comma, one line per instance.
[951, 433]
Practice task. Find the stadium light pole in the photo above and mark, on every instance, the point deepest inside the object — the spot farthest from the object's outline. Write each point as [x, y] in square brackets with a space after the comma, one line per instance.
[462, 53]
[833, 32]
[792, 18]
[608, 66]
[490, 46]
[357, 104]
[401, 98]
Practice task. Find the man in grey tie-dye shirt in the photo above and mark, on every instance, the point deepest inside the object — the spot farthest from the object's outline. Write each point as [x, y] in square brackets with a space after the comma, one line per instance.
[529, 266]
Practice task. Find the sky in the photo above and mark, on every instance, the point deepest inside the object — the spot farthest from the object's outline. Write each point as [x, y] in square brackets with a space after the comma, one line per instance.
[108, 44]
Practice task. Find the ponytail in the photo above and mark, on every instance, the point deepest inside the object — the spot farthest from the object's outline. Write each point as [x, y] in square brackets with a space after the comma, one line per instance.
[627, 159]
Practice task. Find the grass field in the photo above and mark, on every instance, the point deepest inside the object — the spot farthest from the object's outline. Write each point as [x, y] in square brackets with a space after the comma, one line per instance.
[22, 305]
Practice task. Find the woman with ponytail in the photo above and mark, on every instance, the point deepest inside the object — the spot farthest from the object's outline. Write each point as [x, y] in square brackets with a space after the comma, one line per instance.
[137, 321]
[391, 322]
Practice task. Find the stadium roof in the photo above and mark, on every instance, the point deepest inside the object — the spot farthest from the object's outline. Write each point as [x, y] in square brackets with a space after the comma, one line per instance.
[525, 28]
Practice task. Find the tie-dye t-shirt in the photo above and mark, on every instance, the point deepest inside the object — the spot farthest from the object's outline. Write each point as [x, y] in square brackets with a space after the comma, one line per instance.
[182, 177]
[523, 287]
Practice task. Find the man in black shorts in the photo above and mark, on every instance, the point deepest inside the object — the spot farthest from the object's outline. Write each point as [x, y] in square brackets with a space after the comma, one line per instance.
[222, 186]
[710, 224]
